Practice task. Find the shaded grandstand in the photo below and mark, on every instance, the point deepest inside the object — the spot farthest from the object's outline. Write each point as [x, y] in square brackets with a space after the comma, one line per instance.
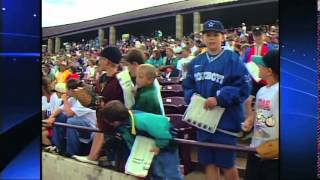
[176, 20]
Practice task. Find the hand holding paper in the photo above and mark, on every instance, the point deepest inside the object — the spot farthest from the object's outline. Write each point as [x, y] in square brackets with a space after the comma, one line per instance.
[155, 150]
[141, 156]
[127, 88]
[210, 103]
[197, 115]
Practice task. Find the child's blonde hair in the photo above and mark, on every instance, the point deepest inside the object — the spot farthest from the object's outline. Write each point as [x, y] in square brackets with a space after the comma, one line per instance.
[148, 70]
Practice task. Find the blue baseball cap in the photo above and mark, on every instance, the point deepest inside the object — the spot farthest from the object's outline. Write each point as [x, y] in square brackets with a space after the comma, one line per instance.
[257, 31]
[213, 25]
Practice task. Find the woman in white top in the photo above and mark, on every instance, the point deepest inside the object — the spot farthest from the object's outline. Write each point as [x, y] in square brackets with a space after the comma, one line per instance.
[182, 64]
[50, 102]
[91, 70]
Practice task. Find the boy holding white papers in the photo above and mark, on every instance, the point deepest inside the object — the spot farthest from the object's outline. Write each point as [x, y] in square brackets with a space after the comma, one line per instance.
[221, 77]
[165, 164]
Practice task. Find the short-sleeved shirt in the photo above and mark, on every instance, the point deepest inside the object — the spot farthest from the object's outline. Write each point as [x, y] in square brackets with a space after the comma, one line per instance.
[44, 103]
[90, 71]
[54, 103]
[155, 62]
[86, 114]
[183, 61]
[266, 125]
[112, 90]
[173, 61]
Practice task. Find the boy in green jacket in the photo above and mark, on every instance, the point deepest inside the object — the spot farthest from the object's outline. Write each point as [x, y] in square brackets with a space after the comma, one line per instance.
[147, 99]
[165, 164]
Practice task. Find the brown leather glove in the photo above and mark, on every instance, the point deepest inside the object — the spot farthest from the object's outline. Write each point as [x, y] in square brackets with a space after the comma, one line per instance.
[269, 150]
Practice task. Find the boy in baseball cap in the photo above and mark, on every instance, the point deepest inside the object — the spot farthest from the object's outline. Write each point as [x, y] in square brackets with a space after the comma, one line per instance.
[265, 121]
[259, 48]
[219, 76]
[271, 61]
[109, 62]
[213, 25]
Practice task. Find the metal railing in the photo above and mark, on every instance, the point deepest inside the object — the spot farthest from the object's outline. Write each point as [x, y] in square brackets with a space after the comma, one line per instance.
[177, 140]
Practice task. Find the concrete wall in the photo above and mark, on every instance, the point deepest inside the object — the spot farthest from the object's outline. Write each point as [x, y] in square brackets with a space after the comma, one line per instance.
[56, 167]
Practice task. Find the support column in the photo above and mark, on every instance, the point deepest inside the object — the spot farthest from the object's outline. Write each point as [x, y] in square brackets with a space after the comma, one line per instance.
[201, 27]
[101, 36]
[179, 26]
[196, 22]
[50, 46]
[57, 45]
[112, 35]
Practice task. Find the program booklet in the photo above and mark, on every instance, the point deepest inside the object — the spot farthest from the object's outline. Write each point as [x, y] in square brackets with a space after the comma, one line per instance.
[127, 88]
[140, 159]
[199, 117]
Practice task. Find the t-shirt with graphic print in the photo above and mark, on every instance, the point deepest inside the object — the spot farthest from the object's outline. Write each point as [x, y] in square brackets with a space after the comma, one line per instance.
[266, 126]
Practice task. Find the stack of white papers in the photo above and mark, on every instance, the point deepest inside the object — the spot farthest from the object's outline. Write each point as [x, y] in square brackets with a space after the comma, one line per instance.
[127, 88]
[199, 117]
[253, 70]
[140, 159]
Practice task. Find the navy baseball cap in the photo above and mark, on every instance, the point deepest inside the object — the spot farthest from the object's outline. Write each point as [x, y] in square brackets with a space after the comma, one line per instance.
[257, 31]
[213, 25]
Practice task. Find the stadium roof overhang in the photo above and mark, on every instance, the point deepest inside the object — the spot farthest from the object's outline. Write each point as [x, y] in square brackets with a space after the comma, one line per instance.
[156, 12]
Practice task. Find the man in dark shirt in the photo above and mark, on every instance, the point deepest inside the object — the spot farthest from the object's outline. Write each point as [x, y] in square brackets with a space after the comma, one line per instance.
[109, 62]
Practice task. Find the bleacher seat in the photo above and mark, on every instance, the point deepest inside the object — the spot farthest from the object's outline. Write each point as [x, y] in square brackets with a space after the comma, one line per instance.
[172, 90]
[167, 81]
[182, 128]
[174, 105]
[184, 131]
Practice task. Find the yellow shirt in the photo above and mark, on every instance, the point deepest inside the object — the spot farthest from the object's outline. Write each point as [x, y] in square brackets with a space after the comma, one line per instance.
[62, 76]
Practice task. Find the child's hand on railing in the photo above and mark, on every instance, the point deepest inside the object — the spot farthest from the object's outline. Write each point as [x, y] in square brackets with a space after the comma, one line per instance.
[51, 120]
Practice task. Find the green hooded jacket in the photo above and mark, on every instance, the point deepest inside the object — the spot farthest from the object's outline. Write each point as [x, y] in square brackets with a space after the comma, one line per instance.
[157, 126]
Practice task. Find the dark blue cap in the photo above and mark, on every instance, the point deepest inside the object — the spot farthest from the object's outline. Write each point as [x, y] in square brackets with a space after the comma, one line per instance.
[213, 25]
[112, 53]
[257, 31]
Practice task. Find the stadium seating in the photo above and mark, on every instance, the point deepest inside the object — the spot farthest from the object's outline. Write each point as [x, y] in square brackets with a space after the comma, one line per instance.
[174, 105]
[184, 131]
[172, 90]
[167, 81]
